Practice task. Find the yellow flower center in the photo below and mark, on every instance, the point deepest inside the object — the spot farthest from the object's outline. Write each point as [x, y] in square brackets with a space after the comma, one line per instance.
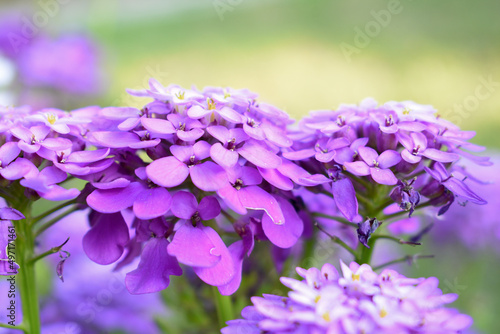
[51, 118]
[211, 104]
[180, 95]
[355, 277]
[326, 316]
[226, 95]
[383, 313]
[317, 299]
[406, 111]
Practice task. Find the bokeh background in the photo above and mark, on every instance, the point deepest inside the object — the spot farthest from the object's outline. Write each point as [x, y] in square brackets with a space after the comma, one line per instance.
[306, 55]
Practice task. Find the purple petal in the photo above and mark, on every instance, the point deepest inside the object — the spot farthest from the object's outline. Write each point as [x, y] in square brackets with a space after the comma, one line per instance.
[256, 198]
[259, 155]
[10, 214]
[254, 132]
[300, 155]
[345, 198]
[114, 139]
[224, 157]
[114, 200]
[119, 113]
[388, 159]
[440, 156]
[167, 172]
[223, 271]
[105, 241]
[220, 132]
[158, 125]
[209, 208]
[198, 112]
[274, 177]
[292, 170]
[313, 180]
[359, 168]
[237, 251]
[230, 115]
[408, 157]
[208, 176]
[412, 126]
[368, 154]
[18, 169]
[277, 136]
[129, 124]
[190, 135]
[88, 156]
[22, 133]
[8, 152]
[325, 157]
[461, 189]
[230, 196]
[201, 150]
[383, 176]
[152, 203]
[286, 234]
[57, 144]
[58, 193]
[193, 246]
[184, 204]
[145, 143]
[28, 148]
[152, 274]
[419, 140]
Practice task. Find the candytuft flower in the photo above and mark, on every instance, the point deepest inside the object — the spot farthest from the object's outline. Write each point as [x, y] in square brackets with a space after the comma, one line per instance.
[358, 301]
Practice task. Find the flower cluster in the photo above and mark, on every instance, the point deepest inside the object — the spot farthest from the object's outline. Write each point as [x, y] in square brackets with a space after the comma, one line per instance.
[164, 182]
[186, 163]
[358, 301]
[374, 155]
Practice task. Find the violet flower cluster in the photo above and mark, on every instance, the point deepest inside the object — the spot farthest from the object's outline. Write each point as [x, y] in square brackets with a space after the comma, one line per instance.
[186, 163]
[371, 156]
[164, 182]
[358, 301]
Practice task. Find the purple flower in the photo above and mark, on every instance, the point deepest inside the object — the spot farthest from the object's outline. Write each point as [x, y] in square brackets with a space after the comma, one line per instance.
[375, 165]
[446, 184]
[187, 160]
[244, 193]
[416, 146]
[360, 301]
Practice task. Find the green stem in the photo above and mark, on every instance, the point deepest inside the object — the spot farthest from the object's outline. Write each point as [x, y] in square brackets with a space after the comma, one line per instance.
[336, 218]
[224, 307]
[399, 241]
[366, 253]
[49, 252]
[21, 328]
[51, 211]
[55, 220]
[410, 258]
[337, 240]
[25, 244]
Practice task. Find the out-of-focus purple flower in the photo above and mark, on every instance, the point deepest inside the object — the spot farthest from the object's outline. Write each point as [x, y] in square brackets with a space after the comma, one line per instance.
[41, 65]
[358, 301]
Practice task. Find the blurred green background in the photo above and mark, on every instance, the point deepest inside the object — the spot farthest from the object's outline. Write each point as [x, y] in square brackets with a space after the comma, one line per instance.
[293, 53]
